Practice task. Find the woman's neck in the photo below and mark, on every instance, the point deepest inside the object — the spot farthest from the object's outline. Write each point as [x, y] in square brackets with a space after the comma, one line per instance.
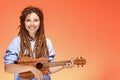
[32, 36]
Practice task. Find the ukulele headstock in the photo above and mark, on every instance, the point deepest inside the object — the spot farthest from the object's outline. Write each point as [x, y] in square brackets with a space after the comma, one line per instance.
[80, 61]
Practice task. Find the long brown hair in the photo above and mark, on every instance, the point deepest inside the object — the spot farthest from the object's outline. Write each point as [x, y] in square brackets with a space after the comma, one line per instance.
[40, 42]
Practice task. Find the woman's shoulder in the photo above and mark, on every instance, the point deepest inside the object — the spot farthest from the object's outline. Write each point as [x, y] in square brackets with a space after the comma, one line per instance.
[48, 40]
[15, 43]
[16, 39]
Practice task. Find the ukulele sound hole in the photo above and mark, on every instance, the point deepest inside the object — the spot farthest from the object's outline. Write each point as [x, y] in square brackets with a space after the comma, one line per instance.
[39, 65]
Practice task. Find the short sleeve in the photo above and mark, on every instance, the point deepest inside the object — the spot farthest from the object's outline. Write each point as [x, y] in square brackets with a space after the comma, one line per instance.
[51, 50]
[12, 52]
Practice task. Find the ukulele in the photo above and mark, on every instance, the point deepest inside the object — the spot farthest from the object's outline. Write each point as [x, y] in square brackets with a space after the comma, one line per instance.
[43, 65]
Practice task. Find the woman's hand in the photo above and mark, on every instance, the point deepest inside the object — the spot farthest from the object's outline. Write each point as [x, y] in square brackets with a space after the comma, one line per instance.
[37, 73]
[70, 64]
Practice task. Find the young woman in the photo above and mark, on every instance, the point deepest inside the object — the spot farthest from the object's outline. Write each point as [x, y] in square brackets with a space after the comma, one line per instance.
[31, 41]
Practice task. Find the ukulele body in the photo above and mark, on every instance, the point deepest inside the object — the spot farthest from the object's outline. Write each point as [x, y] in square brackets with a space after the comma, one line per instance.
[38, 63]
[43, 65]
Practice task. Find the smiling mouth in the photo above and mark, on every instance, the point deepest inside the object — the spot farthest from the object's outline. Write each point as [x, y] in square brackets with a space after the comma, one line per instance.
[32, 27]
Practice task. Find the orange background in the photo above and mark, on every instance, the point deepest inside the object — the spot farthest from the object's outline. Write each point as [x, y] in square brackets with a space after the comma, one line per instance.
[87, 28]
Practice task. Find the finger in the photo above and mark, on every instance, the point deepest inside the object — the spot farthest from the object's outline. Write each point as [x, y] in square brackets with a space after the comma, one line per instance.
[68, 65]
[72, 62]
[40, 75]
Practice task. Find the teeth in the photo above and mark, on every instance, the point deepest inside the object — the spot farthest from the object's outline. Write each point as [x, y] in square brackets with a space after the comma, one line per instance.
[32, 28]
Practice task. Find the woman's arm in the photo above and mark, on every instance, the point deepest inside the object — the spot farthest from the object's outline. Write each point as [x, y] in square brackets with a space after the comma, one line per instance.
[58, 68]
[15, 68]
[55, 69]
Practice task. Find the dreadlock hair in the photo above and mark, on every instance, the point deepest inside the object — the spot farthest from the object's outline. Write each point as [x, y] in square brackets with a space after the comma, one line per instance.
[40, 46]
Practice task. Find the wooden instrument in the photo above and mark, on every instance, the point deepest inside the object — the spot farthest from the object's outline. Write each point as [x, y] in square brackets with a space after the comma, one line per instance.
[43, 65]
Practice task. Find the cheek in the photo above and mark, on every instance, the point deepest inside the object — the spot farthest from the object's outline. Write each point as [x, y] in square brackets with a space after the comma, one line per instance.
[38, 27]
[37, 24]
[26, 24]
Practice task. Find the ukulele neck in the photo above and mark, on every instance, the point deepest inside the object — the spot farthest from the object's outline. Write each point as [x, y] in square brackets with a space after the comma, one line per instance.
[56, 63]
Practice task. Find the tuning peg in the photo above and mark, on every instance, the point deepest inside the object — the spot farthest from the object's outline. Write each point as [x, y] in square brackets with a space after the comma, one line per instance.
[82, 61]
[77, 59]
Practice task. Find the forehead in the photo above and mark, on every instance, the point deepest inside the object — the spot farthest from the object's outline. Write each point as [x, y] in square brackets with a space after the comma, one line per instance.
[32, 15]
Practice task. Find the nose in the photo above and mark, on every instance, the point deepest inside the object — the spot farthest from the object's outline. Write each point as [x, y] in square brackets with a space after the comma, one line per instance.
[32, 23]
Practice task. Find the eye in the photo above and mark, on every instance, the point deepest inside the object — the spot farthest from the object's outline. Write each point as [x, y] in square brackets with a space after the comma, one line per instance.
[27, 20]
[36, 20]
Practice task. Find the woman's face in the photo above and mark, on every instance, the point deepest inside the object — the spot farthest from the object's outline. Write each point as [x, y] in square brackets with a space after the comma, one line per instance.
[32, 23]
